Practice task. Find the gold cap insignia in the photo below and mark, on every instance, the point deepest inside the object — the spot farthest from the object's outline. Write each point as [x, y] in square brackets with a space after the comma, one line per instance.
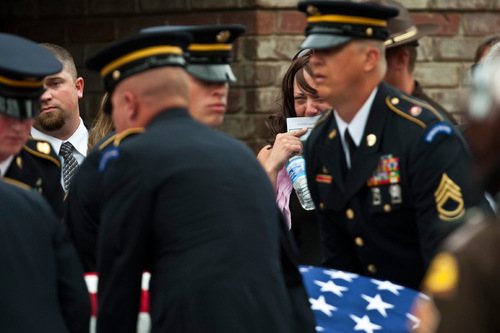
[449, 200]
[369, 32]
[223, 36]
[371, 139]
[19, 162]
[43, 147]
[312, 10]
[116, 74]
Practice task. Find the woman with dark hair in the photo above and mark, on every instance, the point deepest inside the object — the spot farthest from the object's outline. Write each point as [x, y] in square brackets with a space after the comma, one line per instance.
[298, 98]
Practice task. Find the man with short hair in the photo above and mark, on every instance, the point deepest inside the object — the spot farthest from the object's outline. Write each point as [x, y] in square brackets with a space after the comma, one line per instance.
[60, 122]
[187, 203]
[387, 172]
[208, 59]
[401, 54]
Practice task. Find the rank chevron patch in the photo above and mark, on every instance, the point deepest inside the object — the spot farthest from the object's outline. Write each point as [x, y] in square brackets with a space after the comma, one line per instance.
[449, 200]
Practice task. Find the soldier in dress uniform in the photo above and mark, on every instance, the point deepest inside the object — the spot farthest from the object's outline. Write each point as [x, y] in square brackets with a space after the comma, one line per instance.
[41, 280]
[388, 174]
[24, 161]
[462, 281]
[208, 58]
[206, 226]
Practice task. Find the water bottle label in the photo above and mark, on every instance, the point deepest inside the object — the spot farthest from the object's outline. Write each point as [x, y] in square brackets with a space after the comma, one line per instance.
[296, 168]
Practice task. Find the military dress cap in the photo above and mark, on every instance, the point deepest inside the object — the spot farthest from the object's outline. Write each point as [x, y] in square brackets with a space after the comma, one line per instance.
[210, 53]
[334, 23]
[23, 66]
[402, 29]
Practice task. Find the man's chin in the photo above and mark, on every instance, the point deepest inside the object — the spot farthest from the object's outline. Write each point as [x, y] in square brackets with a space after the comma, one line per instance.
[49, 122]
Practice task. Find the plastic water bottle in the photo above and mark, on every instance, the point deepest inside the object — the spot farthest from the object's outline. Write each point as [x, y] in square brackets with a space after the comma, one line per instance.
[296, 169]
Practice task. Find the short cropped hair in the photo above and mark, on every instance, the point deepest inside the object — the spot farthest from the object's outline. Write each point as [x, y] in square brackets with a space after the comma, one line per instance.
[64, 56]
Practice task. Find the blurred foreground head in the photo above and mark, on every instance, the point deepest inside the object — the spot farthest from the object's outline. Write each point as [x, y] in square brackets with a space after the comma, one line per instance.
[483, 116]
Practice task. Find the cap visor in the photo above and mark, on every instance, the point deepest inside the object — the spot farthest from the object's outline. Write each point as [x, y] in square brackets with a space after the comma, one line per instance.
[323, 41]
[212, 73]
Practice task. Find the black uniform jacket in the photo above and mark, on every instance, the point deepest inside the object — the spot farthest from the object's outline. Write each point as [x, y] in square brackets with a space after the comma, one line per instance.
[37, 167]
[41, 278]
[83, 203]
[195, 208]
[407, 188]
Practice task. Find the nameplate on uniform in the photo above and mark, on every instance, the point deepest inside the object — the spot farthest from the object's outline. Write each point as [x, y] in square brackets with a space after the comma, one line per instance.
[326, 179]
[387, 172]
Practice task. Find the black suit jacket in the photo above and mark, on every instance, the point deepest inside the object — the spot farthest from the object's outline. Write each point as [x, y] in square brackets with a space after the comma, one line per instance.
[41, 280]
[37, 167]
[408, 187]
[196, 209]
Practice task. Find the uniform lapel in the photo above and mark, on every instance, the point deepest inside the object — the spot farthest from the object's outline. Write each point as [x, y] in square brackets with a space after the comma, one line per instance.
[330, 153]
[368, 153]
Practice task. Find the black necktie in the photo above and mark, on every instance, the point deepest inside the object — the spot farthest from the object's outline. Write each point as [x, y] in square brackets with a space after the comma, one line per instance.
[350, 143]
[70, 163]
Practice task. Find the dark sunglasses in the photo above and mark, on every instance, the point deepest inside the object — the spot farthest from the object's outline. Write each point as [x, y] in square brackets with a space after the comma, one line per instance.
[302, 53]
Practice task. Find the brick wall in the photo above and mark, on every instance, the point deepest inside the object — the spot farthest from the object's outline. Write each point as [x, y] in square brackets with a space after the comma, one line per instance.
[274, 31]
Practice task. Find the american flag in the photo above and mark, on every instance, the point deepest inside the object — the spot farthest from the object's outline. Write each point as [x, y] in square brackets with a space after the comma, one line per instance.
[347, 302]
[342, 302]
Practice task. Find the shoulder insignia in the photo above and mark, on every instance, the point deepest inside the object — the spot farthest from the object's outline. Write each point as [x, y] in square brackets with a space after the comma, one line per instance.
[19, 162]
[131, 131]
[118, 137]
[442, 276]
[16, 183]
[103, 145]
[109, 154]
[449, 200]
[41, 149]
[392, 102]
[436, 129]
[422, 104]
[325, 116]
[415, 110]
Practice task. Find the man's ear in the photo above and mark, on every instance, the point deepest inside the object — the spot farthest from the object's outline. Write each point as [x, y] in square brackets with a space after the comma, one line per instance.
[79, 87]
[372, 56]
[132, 106]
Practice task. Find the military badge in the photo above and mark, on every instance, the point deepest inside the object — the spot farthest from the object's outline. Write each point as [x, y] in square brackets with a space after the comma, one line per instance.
[395, 193]
[449, 200]
[387, 172]
[326, 179]
[376, 196]
[43, 147]
[415, 110]
[108, 155]
[435, 130]
[442, 276]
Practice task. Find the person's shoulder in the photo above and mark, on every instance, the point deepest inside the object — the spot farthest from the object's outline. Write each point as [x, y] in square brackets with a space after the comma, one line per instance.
[19, 197]
[112, 147]
[41, 150]
[117, 139]
[413, 110]
[325, 117]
